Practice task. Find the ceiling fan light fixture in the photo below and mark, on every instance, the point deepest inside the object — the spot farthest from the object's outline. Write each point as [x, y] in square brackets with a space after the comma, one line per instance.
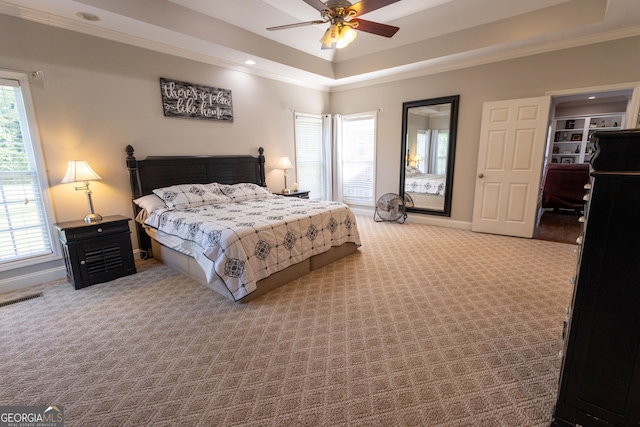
[326, 38]
[347, 35]
[330, 36]
[341, 14]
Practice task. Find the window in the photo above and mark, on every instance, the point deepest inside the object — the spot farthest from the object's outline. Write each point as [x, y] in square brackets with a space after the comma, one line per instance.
[313, 154]
[357, 152]
[25, 234]
[433, 147]
[442, 150]
[423, 149]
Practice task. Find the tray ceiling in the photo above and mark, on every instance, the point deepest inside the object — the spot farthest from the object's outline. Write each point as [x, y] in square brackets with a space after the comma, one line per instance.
[435, 35]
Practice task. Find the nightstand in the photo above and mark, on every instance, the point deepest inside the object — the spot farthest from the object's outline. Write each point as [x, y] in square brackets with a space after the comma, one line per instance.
[298, 194]
[96, 252]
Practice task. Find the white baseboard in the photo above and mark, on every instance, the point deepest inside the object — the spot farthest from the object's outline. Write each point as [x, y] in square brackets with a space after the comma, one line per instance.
[40, 277]
[439, 221]
[32, 279]
[362, 210]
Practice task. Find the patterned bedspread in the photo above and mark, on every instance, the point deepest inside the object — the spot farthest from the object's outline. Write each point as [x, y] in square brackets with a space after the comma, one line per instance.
[250, 240]
[425, 183]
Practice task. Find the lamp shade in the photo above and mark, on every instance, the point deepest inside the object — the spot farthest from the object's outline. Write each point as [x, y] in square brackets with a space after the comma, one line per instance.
[418, 158]
[330, 36]
[79, 170]
[347, 35]
[285, 163]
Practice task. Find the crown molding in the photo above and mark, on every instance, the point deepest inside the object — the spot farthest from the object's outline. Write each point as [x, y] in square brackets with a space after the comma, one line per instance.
[429, 67]
[116, 36]
[452, 63]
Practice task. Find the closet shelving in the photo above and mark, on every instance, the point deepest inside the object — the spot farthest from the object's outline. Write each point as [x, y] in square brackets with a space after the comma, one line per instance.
[571, 136]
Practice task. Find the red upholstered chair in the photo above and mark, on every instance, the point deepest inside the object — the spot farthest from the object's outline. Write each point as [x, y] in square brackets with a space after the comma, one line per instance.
[563, 185]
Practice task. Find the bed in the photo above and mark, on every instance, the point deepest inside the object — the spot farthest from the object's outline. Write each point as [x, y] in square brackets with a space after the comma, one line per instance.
[416, 181]
[212, 219]
[424, 190]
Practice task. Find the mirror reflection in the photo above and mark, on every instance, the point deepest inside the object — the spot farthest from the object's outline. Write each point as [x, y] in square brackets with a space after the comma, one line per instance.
[428, 149]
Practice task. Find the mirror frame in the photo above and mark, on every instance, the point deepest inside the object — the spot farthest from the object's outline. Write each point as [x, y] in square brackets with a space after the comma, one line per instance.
[453, 132]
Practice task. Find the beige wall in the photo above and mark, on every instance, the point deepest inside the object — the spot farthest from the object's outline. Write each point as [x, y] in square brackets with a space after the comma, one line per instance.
[98, 96]
[587, 66]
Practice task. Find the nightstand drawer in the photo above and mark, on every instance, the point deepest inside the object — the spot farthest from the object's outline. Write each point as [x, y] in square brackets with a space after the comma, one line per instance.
[93, 230]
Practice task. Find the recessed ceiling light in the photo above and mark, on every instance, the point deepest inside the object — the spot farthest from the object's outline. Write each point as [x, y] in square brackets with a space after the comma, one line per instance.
[88, 16]
[250, 62]
[592, 97]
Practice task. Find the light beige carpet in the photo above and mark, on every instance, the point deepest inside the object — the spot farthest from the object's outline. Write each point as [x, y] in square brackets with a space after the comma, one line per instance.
[424, 326]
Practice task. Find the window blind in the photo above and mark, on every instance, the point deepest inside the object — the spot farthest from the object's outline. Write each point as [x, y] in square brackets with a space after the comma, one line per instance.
[313, 159]
[24, 223]
[443, 152]
[358, 154]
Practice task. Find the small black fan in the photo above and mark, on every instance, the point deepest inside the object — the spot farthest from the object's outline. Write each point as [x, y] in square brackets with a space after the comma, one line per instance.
[390, 207]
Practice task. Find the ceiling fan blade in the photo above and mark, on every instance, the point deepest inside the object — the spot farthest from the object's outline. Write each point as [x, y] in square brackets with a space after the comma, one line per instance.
[366, 6]
[376, 28]
[299, 24]
[316, 4]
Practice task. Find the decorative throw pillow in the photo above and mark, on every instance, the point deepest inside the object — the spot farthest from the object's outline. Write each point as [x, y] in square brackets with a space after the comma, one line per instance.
[215, 188]
[244, 191]
[189, 196]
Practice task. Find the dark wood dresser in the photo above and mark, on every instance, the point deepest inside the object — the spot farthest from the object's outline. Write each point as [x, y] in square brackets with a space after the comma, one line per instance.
[600, 374]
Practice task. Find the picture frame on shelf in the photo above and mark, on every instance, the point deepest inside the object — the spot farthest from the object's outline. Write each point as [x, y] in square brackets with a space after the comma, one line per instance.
[570, 124]
[576, 137]
[566, 160]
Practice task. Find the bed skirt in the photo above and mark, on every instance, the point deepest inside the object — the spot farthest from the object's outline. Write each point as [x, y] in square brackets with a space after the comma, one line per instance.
[188, 266]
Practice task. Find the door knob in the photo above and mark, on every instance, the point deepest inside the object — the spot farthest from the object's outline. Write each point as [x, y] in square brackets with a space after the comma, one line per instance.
[481, 175]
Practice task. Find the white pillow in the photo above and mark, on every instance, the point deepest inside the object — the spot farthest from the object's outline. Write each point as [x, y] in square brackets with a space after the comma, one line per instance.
[244, 191]
[412, 171]
[189, 196]
[214, 188]
[150, 202]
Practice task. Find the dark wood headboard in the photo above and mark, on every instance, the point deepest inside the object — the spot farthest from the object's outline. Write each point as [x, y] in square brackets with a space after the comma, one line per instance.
[163, 171]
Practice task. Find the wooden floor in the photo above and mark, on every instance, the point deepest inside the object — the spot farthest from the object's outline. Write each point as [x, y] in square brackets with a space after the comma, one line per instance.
[559, 226]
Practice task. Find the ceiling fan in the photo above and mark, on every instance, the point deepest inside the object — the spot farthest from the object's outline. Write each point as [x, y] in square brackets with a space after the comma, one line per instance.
[342, 16]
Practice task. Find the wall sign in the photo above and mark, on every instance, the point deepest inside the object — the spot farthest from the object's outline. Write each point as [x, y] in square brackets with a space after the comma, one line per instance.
[181, 99]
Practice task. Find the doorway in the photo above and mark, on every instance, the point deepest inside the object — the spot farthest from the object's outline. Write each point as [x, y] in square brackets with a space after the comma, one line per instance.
[573, 118]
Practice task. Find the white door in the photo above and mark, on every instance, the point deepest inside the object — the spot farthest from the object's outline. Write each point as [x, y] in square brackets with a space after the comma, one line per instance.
[512, 142]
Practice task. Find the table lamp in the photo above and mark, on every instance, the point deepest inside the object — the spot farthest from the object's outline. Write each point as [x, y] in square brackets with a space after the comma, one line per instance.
[80, 171]
[285, 164]
[418, 159]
